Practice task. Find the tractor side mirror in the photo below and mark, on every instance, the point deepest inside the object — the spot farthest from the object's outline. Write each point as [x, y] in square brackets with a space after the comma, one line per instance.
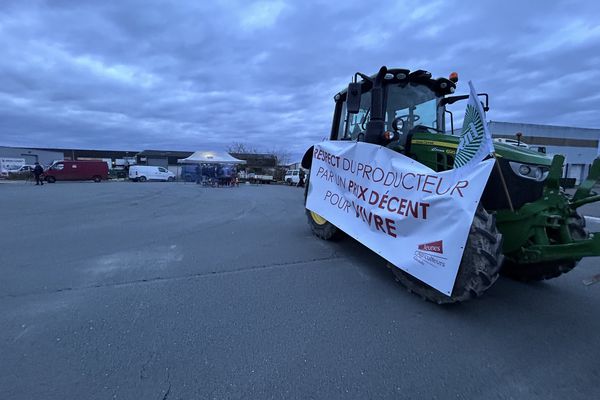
[353, 97]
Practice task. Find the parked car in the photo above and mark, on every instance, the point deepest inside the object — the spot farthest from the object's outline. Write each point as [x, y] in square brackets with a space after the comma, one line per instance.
[21, 173]
[77, 171]
[143, 173]
[292, 176]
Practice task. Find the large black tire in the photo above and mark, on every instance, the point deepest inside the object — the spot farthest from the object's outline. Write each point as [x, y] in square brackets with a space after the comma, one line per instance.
[319, 225]
[479, 267]
[550, 269]
[142, 179]
[50, 179]
[97, 179]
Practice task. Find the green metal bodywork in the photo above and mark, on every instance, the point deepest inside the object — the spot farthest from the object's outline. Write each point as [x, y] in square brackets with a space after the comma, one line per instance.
[540, 228]
[426, 145]
[538, 231]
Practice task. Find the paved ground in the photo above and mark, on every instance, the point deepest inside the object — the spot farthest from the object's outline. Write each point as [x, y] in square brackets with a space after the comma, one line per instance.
[171, 291]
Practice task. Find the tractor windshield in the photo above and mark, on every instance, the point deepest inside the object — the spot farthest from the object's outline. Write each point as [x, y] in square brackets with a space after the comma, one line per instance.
[415, 105]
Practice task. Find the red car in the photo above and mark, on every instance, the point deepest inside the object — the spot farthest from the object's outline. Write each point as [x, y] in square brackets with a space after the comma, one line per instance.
[77, 171]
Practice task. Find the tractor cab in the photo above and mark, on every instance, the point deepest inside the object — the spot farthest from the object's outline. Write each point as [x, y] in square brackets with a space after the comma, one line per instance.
[406, 112]
[390, 107]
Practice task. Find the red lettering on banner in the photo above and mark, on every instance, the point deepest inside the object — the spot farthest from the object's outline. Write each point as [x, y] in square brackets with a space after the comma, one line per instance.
[391, 227]
[385, 225]
[361, 195]
[435, 247]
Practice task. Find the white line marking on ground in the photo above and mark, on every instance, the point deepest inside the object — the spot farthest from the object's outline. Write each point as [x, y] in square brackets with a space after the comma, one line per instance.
[592, 219]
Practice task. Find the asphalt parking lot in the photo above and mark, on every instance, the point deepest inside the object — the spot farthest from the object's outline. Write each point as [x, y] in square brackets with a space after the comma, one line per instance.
[172, 291]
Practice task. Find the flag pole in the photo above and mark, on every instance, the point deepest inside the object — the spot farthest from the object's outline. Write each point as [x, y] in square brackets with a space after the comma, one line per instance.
[503, 182]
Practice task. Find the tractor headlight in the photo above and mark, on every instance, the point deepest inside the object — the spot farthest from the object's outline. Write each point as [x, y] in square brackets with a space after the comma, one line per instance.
[524, 170]
[533, 172]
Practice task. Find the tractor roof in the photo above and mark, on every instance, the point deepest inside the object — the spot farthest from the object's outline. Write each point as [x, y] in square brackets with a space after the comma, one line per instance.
[441, 86]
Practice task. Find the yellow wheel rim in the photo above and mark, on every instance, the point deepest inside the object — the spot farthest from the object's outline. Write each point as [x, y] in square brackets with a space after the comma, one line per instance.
[317, 218]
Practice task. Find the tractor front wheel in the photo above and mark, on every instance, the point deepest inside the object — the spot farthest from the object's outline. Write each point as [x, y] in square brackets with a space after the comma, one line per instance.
[549, 269]
[319, 225]
[479, 267]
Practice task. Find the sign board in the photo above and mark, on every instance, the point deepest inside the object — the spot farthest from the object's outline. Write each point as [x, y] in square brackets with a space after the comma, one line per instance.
[10, 164]
[412, 216]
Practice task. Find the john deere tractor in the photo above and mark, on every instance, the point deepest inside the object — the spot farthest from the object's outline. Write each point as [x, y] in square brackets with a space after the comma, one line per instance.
[526, 226]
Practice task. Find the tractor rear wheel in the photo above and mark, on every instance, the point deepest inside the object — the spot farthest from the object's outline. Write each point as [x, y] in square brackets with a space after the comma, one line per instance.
[479, 267]
[319, 225]
[549, 269]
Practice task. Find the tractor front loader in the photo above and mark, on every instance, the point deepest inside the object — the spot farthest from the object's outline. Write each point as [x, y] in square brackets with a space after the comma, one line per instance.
[547, 237]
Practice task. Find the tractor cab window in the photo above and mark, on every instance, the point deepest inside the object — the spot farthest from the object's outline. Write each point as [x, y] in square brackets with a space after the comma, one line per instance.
[355, 124]
[414, 105]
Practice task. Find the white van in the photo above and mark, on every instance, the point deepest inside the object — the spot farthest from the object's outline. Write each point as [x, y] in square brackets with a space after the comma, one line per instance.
[292, 176]
[143, 173]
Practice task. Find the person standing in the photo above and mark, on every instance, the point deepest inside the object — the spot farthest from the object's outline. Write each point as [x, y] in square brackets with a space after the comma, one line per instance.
[301, 179]
[198, 177]
[37, 172]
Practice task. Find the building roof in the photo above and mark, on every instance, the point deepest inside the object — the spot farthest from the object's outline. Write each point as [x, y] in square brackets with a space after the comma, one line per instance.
[165, 153]
[91, 152]
[543, 130]
[210, 157]
[257, 159]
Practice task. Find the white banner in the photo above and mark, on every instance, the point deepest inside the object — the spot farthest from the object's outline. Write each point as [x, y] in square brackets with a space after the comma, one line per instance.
[414, 217]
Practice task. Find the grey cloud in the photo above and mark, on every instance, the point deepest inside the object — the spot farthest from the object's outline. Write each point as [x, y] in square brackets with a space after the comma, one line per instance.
[184, 75]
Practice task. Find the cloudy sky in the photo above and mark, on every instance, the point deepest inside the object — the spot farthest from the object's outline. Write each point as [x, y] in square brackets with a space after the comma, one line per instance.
[158, 74]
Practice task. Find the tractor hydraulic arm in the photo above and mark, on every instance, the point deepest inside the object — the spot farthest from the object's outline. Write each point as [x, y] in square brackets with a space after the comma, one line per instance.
[584, 193]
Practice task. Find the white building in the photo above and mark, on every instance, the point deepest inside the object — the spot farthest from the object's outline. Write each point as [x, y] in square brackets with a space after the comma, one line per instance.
[580, 146]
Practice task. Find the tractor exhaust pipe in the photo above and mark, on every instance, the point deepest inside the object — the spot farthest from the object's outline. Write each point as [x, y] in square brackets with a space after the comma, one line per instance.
[376, 125]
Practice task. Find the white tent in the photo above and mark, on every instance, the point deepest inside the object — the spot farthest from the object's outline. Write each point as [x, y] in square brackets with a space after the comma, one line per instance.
[210, 157]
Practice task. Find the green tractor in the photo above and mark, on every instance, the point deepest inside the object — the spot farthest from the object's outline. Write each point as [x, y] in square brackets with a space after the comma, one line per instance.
[526, 226]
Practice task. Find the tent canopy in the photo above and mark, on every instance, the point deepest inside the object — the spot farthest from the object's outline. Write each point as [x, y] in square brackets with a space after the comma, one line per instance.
[210, 157]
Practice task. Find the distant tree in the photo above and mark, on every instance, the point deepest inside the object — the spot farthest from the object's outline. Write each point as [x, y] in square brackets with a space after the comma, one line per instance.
[239, 147]
[283, 156]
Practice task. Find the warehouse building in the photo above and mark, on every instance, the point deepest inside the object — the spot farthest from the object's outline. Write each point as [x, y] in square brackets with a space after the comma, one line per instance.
[258, 163]
[116, 159]
[580, 146]
[31, 156]
[161, 158]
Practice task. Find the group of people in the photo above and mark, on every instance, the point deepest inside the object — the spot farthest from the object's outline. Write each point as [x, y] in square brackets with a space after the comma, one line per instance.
[216, 175]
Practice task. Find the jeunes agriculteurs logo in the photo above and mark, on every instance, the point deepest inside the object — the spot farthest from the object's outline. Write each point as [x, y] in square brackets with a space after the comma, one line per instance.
[431, 253]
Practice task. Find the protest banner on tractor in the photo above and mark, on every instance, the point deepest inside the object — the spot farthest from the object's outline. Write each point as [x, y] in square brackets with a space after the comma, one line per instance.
[414, 217]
